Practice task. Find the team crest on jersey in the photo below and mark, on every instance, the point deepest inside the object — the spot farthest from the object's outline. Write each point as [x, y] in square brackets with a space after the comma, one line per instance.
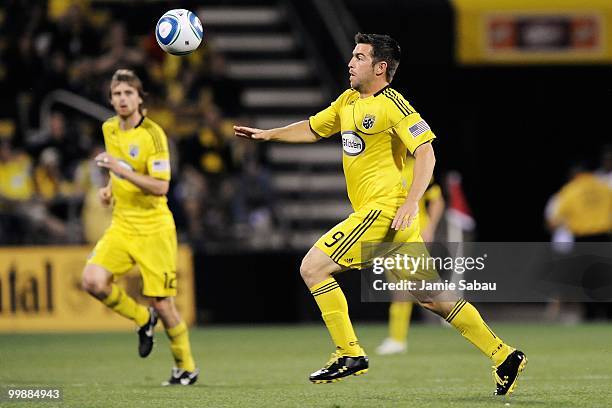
[368, 121]
[133, 151]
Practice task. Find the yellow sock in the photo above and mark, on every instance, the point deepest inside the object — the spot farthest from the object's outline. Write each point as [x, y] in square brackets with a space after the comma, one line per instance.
[124, 305]
[334, 311]
[399, 320]
[465, 318]
[180, 347]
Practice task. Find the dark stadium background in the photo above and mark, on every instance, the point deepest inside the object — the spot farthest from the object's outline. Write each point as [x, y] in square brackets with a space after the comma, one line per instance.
[511, 131]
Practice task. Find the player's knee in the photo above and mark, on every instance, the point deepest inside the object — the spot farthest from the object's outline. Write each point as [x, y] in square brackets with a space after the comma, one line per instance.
[92, 284]
[309, 273]
[305, 269]
[163, 306]
[95, 281]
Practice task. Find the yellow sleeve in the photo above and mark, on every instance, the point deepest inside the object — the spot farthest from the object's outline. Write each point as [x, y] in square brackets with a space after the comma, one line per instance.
[158, 161]
[562, 205]
[106, 131]
[413, 131]
[432, 193]
[327, 122]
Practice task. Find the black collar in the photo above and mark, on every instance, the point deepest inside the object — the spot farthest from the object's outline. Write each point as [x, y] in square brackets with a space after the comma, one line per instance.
[140, 121]
[381, 91]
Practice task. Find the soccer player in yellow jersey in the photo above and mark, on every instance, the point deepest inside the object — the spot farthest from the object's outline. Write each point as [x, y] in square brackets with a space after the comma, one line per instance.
[142, 230]
[378, 128]
[431, 207]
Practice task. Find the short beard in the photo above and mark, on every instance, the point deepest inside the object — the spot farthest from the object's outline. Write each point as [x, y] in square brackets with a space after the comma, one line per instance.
[357, 87]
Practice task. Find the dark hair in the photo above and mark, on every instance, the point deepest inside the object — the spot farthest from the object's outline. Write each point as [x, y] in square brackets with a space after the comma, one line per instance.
[384, 48]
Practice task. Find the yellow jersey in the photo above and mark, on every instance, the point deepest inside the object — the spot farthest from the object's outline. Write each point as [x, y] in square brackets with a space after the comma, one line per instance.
[377, 133]
[585, 206]
[143, 149]
[433, 192]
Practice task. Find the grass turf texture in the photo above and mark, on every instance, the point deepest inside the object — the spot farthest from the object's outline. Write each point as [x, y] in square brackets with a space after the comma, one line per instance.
[269, 367]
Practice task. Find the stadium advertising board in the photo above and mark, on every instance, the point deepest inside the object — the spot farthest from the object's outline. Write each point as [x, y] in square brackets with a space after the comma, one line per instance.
[40, 290]
[509, 32]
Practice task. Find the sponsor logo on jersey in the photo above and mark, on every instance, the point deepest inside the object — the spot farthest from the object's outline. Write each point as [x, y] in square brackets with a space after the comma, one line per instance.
[352, 143]
[368, 121]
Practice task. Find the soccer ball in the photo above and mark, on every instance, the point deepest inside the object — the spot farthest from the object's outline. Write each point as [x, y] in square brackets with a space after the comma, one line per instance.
[179, 32]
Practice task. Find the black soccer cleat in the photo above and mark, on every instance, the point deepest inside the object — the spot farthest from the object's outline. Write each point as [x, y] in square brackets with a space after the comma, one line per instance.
[182, 377]
[145, 334]
[339, 367]
[506, 374]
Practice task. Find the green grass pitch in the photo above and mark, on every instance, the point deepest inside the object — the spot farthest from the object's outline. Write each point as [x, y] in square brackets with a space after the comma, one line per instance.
[269, 366]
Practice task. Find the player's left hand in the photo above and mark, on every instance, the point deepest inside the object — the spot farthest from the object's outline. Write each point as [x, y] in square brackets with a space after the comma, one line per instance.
[108, 162]
[251, 133]
[405, 215]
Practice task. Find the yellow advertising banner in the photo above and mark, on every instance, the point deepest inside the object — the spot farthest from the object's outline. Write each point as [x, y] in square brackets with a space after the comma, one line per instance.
[40, 290]
[533, 32]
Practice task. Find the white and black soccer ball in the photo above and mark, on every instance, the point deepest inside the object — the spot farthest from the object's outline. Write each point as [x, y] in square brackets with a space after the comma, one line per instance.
[179, 32]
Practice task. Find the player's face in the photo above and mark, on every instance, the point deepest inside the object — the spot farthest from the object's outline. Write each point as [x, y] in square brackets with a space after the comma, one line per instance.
[125, 99]
[361, 70]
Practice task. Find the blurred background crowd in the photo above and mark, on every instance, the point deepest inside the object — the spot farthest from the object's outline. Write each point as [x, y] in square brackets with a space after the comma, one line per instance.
[48, 181]
[58, 56]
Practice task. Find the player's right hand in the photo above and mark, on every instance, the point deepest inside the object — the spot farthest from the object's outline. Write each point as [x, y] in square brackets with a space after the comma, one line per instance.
[105, 194]
[251, 133]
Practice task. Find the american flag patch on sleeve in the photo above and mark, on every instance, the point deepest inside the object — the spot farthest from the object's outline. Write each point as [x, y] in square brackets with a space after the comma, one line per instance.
[418, 128]
[161, 165]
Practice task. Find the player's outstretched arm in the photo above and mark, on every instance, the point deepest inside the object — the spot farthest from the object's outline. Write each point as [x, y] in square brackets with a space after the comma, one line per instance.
[424, 163]
[298, 132]
[146, 183]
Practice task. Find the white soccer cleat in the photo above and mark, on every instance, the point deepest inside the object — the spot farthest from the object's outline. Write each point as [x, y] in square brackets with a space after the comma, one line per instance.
[390, 346]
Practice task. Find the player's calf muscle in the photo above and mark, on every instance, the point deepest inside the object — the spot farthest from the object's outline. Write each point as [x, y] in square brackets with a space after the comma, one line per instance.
[440, 308]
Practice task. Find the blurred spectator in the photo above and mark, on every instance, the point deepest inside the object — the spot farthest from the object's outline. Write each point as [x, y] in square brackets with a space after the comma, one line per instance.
[72, 34]
[16, 191]
[205, 185]
[63, 139]
[191, 191]
[604, 172]
[226, 92]
[207, 150]
[584, 207]
[117, 52]
[88, 179]
[24, 217]
[48, 178]
[15, 174]
[253, 201]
